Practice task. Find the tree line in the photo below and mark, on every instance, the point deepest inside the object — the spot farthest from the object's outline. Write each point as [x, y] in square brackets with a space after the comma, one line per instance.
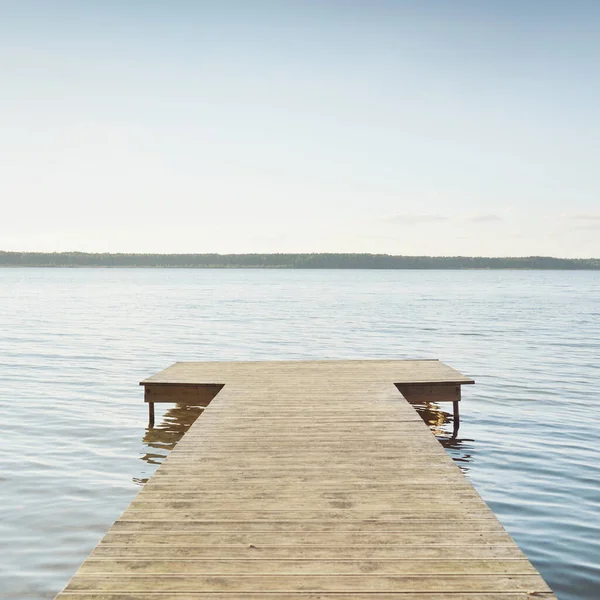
[288, 261]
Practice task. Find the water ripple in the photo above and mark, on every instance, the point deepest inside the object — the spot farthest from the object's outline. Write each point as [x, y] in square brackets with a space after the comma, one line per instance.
[75, 342]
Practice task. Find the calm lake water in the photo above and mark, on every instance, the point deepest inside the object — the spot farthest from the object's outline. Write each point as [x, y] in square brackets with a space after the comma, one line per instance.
[74, 343]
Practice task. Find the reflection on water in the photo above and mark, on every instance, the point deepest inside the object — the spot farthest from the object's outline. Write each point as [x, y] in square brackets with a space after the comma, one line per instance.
[163, 437]
[435, 417]
[441, 424]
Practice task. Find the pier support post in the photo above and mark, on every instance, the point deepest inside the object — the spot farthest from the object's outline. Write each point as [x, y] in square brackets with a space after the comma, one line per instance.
[150, 414]
[456, 418]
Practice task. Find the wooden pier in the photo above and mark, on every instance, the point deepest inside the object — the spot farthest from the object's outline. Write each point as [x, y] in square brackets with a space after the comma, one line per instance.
[305, 481]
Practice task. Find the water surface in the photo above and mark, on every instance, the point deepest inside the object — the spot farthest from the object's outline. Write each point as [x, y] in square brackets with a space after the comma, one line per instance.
[74, 343]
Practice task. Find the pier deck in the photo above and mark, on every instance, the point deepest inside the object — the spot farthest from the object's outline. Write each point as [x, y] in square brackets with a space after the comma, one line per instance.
[306, 481]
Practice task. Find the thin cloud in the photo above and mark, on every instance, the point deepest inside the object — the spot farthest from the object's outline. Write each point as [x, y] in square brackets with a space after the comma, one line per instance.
[585, 217]
[411, 219]
[582, 221]
[590, 225]
[379, 237]
[484, 218]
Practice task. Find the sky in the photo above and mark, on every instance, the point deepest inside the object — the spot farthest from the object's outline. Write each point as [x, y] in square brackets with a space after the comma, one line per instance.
[414, 127]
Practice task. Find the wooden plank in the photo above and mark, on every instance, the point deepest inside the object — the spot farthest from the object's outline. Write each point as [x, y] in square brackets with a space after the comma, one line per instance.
[301, 596]
[196, 511]
[432, 392]
[365, 582]
[364, 552]
[183, 537]
[306, 480]
[212, 566]
[314, 527]
[194, 395]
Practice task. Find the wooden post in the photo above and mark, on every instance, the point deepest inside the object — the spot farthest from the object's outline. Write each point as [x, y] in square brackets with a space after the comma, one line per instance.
[151, 414]
[456, 419]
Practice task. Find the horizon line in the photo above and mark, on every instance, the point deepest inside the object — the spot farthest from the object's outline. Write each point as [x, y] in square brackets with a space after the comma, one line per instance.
[374, 254]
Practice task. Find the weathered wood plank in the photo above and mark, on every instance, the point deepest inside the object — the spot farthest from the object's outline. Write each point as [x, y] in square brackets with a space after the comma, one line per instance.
[430, 392]
[183, 537]
[211, 566]
[303, 596]
[406, 513]
[365, 527]
[196, 395]
[236, 552]
[364, 582]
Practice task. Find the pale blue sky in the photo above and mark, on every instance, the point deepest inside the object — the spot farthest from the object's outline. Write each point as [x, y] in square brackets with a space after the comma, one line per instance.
[408, 127]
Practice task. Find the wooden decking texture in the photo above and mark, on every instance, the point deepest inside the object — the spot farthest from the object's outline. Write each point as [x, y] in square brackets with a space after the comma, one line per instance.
[305, 481]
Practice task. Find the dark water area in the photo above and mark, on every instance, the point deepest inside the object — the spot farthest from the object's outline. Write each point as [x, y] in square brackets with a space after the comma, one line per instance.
[74, 343]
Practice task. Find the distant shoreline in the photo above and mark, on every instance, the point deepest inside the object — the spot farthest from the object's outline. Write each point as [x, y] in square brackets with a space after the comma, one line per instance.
[289, 261]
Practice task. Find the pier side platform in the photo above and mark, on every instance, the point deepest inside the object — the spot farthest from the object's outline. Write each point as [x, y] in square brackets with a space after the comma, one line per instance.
[307, 480]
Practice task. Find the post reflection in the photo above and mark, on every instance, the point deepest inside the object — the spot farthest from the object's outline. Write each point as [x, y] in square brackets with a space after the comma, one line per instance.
[159, 440]
[441, 424]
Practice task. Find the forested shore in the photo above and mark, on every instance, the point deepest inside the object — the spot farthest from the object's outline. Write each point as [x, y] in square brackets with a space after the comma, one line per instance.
[288, 261]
